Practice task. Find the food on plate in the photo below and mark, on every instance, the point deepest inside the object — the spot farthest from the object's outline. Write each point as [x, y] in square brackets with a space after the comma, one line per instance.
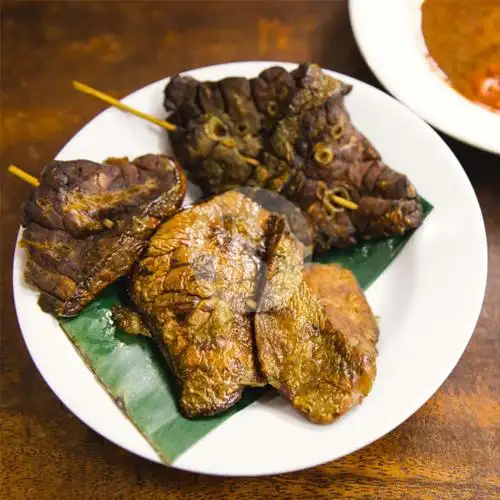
[295, 125]
[463, 38]
[220, 122]
[223, 287]
[195, 292]
[87, 223]
[196, 288]
[315, 332]
[339, 179]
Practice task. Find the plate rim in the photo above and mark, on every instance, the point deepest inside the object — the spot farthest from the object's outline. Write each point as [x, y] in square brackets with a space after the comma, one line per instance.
[450, 128]
[429, 393]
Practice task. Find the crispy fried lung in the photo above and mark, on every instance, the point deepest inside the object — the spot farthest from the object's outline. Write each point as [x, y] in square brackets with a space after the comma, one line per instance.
[222, 124]
[196, 289]
[87, 223]
[289, 132]
[315, 332]
[330, 158]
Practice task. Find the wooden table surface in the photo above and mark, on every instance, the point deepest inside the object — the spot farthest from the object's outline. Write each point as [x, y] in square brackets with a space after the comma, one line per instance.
[446, 450]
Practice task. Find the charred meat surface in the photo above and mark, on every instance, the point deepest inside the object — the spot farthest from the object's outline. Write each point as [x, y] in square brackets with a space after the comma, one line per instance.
[315, 332]
[87, 223]
[289, 132]
[196, 289]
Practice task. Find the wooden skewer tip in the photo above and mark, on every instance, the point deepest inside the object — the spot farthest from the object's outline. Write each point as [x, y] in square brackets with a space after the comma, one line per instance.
[23, 175]
[120, 105]
[108, 223]
[251, 161]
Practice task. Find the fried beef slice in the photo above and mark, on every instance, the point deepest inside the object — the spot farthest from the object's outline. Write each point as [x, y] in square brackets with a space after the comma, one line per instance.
[87, 223]
[222, 124]
[330, 158]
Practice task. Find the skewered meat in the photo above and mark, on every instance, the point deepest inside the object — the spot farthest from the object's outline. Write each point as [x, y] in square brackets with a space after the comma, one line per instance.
[330, 158]
[87, 223]
[195, 288]
[315, 332]
[222, 124]
[297, 128]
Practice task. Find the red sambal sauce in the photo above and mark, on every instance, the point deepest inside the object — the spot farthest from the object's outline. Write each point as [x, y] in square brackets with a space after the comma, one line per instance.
[463, 38]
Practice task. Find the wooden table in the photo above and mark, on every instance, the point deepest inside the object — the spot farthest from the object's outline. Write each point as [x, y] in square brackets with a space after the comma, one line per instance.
[446, 450]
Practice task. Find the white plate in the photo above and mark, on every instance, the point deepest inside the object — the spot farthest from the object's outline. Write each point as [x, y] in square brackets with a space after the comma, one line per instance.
[390, 37]
[429, 299]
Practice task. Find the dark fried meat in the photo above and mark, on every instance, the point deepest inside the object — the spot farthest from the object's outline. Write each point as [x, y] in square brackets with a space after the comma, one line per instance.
[315, 332]
[332, 158]
[297, 128]
[87, 223]
[223, 123]
[196, 288]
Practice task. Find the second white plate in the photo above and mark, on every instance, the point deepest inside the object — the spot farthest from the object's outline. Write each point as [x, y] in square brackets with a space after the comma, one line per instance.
[389, 35]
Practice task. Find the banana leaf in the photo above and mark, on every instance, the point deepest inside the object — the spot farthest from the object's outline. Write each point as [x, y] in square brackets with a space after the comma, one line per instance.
[135, 375]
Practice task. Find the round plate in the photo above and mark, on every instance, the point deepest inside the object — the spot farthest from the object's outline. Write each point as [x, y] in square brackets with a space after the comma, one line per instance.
[390, 37]
[428, 300]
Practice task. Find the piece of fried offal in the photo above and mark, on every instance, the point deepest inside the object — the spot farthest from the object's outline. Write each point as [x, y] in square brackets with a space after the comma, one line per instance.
[87, 223]
[315, 332]
[195, 288]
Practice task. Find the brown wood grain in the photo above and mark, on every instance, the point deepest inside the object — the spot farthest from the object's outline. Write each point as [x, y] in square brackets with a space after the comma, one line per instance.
[448, 449]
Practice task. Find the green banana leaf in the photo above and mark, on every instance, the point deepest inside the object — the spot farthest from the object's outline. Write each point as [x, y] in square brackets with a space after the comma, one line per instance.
[135, 374]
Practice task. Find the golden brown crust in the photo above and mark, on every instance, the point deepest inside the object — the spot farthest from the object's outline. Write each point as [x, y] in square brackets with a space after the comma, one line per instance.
[315, 332]
[195, 285]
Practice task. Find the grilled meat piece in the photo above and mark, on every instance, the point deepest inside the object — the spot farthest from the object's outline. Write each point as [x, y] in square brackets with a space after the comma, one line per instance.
[195, 287]
[222, 124]
[217, 124]
[87, 223]
[296, 126]
[314, 330]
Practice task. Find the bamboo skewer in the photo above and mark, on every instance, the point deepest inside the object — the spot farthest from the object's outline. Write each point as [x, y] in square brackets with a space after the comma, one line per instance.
[23, 175]
[344, 202]
[118, 104]
[251, 161]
